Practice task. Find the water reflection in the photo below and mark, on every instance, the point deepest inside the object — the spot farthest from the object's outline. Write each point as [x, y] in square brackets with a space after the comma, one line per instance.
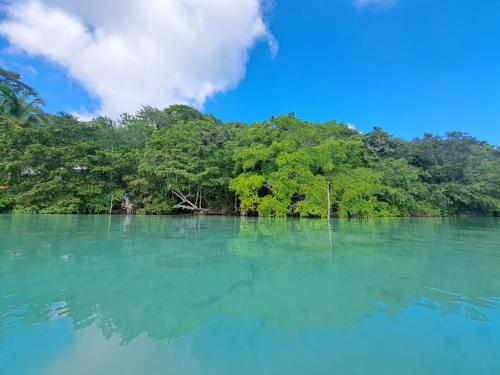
[168, 278]
[278, 271]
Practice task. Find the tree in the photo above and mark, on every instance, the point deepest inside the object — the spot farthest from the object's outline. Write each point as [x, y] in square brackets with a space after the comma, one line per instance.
[178, 159]
[295, 169]
[169, 116]
[380, 143]
[19, 103]
[182, 160]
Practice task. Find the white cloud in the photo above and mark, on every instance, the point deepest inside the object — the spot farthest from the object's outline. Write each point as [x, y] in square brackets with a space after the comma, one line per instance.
[129, 53]
[352, 126]
[360, 4]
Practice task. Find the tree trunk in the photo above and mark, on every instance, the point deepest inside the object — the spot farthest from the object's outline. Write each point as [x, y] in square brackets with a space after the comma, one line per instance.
[328, 187]
[186, 204]
[111, 205]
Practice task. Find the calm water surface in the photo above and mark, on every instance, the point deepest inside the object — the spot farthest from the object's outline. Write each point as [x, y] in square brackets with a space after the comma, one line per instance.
[213, 295]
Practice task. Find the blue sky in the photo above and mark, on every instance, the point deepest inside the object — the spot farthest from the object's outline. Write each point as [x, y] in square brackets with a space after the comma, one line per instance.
[409, 66]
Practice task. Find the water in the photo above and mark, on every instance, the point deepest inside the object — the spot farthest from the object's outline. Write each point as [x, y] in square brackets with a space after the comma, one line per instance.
[214, 295]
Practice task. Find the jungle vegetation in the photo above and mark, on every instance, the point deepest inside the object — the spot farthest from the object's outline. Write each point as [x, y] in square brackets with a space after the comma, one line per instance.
[178, 160]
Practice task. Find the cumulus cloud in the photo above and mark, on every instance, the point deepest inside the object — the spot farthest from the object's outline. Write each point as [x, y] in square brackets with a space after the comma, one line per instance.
[360, 4]
[129, 53]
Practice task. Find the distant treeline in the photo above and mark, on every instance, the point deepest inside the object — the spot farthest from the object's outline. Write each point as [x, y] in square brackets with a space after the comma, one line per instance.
[180, 160]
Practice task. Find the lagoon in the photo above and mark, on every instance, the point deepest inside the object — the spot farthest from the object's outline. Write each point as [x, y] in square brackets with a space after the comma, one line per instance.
[225, 295]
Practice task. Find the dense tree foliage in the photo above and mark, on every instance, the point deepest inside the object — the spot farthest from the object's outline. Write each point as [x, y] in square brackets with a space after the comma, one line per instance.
[180, 160]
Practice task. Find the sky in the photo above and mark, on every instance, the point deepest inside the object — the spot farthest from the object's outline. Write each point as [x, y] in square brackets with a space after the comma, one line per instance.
[408, 66]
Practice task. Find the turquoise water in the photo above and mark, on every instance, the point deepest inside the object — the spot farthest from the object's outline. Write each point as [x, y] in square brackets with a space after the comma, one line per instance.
[216, 295]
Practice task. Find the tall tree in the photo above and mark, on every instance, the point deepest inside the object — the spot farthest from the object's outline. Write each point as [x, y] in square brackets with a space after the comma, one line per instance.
[20, 104]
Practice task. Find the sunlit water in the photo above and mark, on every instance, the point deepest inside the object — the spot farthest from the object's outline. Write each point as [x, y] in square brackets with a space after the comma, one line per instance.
[215, 295]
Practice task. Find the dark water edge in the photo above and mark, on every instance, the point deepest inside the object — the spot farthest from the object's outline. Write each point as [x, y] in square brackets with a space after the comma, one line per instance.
[236, 215]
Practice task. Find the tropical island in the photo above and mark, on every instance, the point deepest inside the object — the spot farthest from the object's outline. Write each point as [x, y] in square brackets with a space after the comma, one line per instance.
[179, 160]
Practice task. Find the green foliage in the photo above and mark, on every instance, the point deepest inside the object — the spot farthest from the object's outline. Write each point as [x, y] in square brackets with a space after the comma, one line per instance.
[270, 206]
[294, 168]
[315, 202]
[247, 186]
[356, 191]
[163, 161]
[19, 103]
[404, 188]
[169, 116]
[186, 160]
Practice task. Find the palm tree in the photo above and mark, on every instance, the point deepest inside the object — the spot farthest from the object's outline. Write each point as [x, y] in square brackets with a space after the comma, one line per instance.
[20, 108]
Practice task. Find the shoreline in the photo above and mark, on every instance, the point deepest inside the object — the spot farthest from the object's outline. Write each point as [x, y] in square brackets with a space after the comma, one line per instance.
[184, 215]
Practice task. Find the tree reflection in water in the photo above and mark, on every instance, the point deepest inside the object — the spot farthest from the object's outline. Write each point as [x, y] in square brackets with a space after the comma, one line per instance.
[167, 277]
